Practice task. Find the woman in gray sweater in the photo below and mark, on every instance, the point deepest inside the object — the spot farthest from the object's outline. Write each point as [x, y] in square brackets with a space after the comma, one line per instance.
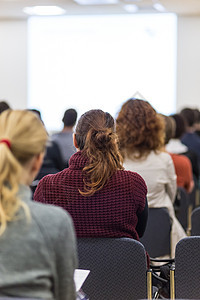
[37, 241]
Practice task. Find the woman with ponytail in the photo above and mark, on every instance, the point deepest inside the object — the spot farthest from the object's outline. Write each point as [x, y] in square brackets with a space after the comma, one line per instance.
[37, 257]
[102, 198]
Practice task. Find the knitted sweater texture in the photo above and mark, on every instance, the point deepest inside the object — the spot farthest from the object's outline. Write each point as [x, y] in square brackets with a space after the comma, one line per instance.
[110, 212]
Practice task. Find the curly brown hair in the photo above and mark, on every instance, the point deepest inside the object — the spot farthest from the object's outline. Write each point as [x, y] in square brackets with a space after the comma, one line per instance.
[140, 129]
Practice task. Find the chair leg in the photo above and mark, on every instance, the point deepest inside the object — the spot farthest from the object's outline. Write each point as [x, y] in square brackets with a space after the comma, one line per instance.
[172, 283]
[149, 284]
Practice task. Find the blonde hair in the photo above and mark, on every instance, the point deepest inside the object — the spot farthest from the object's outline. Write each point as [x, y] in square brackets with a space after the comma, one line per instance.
[27, 137]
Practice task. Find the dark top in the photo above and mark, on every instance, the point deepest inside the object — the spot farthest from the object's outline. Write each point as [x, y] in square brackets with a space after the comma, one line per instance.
[192, 141]
[113, 211]
[194, 161]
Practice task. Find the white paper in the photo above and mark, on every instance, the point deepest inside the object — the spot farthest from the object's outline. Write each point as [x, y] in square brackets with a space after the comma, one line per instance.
[79, 277]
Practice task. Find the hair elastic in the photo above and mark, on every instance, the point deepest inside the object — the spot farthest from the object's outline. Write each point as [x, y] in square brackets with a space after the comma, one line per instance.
[7, 142]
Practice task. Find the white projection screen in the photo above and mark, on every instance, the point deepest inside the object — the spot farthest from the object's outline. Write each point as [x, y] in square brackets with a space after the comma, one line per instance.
[100, 61]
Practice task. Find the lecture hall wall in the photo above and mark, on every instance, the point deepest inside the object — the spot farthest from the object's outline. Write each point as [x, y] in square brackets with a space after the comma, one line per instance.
[13, 64]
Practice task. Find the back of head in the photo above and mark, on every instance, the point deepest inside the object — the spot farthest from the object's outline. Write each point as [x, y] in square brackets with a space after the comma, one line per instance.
[3, 106]
[140, 128]
[37, 112]
[180, 125]
[189, 116]
[170, 127]
[95, 136]
[22, 136]
[69, 118]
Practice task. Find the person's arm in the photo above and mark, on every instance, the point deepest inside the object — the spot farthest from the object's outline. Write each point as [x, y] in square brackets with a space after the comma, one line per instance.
[66, 260]
[57, 157]
[142, 220]
[189, 182]
[171, 186]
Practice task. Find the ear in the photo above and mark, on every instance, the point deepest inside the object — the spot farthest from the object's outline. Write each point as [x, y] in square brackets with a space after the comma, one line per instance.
[37, 162]
[74, 141]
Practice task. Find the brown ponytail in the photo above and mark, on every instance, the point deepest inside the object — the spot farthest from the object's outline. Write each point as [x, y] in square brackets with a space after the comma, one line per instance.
[96, 137]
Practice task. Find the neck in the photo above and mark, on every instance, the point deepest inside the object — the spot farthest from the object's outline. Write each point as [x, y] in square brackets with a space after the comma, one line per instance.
[67, 129]
[25, 178]
[190, 129]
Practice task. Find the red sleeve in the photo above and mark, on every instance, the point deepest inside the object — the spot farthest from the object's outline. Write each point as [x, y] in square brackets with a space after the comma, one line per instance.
[188, 173]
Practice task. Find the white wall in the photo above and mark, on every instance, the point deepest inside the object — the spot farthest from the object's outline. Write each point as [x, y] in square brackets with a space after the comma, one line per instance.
[188, 62]
[13, 62]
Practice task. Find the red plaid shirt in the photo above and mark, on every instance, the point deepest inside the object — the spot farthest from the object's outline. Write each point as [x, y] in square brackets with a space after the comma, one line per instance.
[110, 212]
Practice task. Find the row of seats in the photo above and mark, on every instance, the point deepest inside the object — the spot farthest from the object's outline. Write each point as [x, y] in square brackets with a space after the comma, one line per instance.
[156, 239]
[185, 206]
[118, 269]
[118, 265]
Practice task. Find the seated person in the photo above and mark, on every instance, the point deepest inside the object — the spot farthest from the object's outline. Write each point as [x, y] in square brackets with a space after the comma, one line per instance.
[102, 198]
[64, 139]
[182, 164]
[37, 242]
[141, 136]
[190, 138]
[177, 147]
[4, 106]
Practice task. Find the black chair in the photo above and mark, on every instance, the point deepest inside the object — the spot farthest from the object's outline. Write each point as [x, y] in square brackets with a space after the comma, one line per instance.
[187, 270]
[117, 268]
[157, 236]
[182, 211]
[195, 221]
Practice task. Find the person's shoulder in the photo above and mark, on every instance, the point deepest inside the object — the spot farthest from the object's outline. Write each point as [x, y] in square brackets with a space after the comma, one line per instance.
[132, 177]
[49, 214]
[52, 178]
[163, 156]
[54, 136]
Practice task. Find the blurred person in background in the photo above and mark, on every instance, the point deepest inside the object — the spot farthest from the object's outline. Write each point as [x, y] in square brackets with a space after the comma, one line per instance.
[64, 139]
[37, 242]
[141, 136]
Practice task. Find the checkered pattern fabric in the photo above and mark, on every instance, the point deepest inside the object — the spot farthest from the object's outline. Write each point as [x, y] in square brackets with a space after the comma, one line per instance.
[110, 212]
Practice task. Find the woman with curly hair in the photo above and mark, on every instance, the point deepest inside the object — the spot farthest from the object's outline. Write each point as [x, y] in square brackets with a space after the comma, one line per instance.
[102, 198]
[141, 135]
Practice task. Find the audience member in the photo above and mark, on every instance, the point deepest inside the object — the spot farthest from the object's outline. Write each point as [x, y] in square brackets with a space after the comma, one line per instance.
[190, 138]
[52, 162]
[38, 252]
[182, 164]
[102, 198]
[4, 106]
[177, 147]
[64, 138]
[141, 136]
[37, 112]
[197, 121]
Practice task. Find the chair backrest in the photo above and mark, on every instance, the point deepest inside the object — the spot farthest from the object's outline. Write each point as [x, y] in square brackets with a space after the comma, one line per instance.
[182, 212]
[156, 239]
[117, 268]
[195, 221]
[187, 270]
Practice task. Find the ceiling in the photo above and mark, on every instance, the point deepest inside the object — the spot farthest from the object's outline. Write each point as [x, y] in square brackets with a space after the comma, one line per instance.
[10, 9]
